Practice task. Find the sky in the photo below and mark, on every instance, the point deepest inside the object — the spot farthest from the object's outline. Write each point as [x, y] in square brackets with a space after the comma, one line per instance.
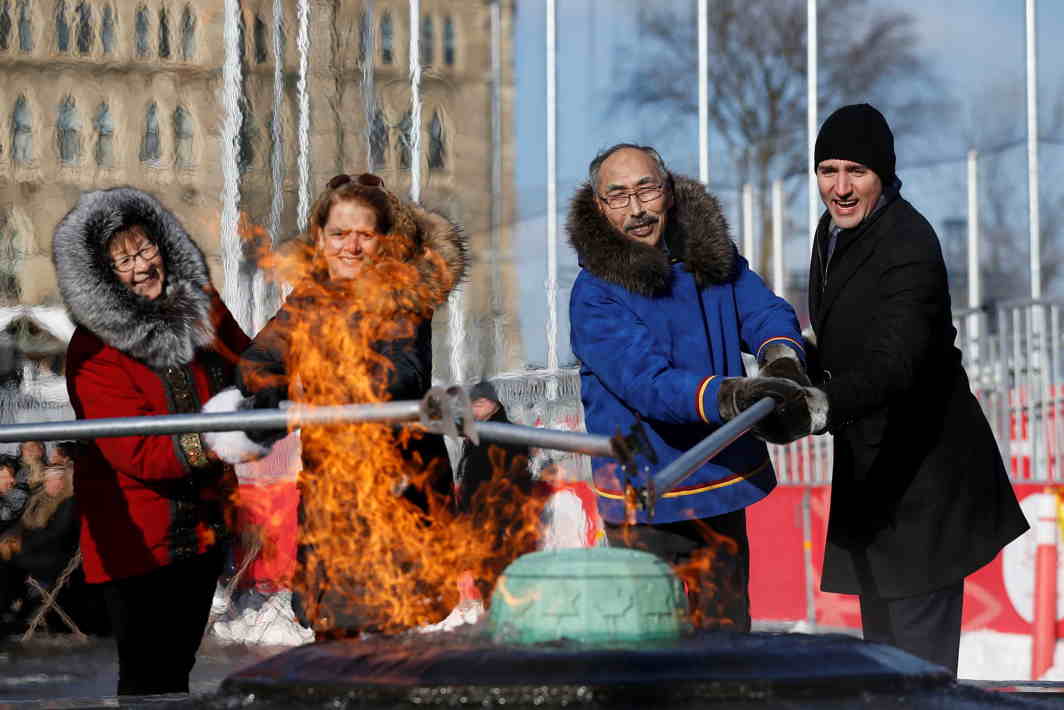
[975, 48]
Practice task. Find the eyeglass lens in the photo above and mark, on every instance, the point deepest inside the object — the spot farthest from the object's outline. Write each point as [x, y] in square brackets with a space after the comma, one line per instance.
[126, 261]
[644, 195]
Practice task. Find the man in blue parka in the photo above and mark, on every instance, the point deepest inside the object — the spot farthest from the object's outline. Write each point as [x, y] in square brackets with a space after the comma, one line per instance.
[660, 315]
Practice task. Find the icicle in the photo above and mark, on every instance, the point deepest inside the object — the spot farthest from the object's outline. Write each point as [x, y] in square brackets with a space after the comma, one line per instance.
[303, 42]
[369, 96]
[552, 203]
[415, 100]
[234, 296]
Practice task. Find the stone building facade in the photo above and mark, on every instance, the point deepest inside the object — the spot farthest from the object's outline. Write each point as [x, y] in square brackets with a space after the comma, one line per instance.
[98, 93]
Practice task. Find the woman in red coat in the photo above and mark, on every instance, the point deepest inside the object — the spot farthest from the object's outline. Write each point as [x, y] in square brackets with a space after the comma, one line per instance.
[152, 338]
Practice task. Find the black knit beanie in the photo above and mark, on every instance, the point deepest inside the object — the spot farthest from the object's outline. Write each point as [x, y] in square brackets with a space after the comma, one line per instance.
[858, 133]
[484, 390]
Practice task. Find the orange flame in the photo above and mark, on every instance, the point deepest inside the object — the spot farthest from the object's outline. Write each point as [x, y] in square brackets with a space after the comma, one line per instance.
[381, 545]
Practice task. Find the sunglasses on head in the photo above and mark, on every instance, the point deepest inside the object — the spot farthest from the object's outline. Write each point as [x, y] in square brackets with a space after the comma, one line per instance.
[366, 179]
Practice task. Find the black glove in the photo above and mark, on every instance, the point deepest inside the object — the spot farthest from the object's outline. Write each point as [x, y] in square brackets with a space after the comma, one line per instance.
[790, 421]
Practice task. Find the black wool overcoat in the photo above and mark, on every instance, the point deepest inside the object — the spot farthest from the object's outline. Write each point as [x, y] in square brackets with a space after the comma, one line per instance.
[919, 495]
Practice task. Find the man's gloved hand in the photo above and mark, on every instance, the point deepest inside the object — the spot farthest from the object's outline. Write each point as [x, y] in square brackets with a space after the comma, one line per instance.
[793, 417]
[778, 360]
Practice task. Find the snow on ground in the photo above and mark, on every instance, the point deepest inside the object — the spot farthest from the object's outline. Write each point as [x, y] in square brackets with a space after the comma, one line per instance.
[992, 655]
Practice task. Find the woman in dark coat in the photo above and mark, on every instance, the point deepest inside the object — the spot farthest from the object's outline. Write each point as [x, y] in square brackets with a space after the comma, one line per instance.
[356, 328]
[152, 337]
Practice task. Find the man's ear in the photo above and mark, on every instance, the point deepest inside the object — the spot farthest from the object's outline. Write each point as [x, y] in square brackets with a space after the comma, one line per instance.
[598, 203]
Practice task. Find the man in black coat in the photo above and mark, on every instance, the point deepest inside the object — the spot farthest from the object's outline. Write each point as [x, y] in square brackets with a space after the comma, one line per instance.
[919, 495]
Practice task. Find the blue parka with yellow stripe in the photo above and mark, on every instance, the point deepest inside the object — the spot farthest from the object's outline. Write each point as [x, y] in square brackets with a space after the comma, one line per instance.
[656, 330]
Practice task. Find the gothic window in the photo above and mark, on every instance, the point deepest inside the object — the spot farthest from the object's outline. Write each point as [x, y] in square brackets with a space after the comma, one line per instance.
[247, 138]
[437, 145]
[405, 140]
[378, 141]
[262, 53]
[105, 130]
[182, 137]
[164, 34]
[62, 27]
[428, 41]
[188, 34]
[107, 30]
[387, 39]
[141, 32]
[365, 37]
[21, 132]
[68, 131]
[11, 256]
[85, 34]
[448, 41]
[5, 25]
[25, 27]
[150, 145]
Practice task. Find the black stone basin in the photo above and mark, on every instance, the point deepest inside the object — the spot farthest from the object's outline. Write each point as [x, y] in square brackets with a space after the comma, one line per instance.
[718, 669]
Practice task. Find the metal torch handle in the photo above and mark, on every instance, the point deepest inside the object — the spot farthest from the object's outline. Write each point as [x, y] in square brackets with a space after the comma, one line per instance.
[437, 413]
[244, 420]
[679, 470]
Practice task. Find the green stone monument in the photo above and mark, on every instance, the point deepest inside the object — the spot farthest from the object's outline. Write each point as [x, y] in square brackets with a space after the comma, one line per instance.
[589, 595]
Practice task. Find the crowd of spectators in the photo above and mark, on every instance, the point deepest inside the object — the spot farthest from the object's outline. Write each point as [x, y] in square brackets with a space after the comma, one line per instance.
[39, 538]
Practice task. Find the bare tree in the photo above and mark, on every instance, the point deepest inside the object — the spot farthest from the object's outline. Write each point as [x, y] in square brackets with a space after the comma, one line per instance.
[997, 130]
[757, 89]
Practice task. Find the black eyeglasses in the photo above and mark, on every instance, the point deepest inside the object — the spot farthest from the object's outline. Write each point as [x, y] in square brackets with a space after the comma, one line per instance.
[125, 262]
[620, 200]
[366, 179]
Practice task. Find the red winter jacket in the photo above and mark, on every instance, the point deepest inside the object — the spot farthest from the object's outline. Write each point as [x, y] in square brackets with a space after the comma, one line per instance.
[144, 501]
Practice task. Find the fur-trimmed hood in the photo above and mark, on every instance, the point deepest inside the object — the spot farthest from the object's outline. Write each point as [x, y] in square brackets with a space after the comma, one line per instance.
[696, 234]
[443, 259]
[161, 333]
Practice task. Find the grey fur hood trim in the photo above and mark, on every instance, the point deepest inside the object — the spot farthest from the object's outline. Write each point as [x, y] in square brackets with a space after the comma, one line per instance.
[161, 333]
[697, 234]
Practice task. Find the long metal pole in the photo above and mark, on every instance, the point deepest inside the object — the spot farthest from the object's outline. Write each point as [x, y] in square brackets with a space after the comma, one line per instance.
[779, 284]
[1032, 152]
[975, 295]
[807, 557]
[703, 91]
[245, 420]
[679, 470]
[499, 335]
[292, 417]
[748, 224]
[810, 115]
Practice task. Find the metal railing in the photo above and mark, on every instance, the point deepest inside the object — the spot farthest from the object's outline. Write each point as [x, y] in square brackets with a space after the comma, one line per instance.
[1015, 363]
